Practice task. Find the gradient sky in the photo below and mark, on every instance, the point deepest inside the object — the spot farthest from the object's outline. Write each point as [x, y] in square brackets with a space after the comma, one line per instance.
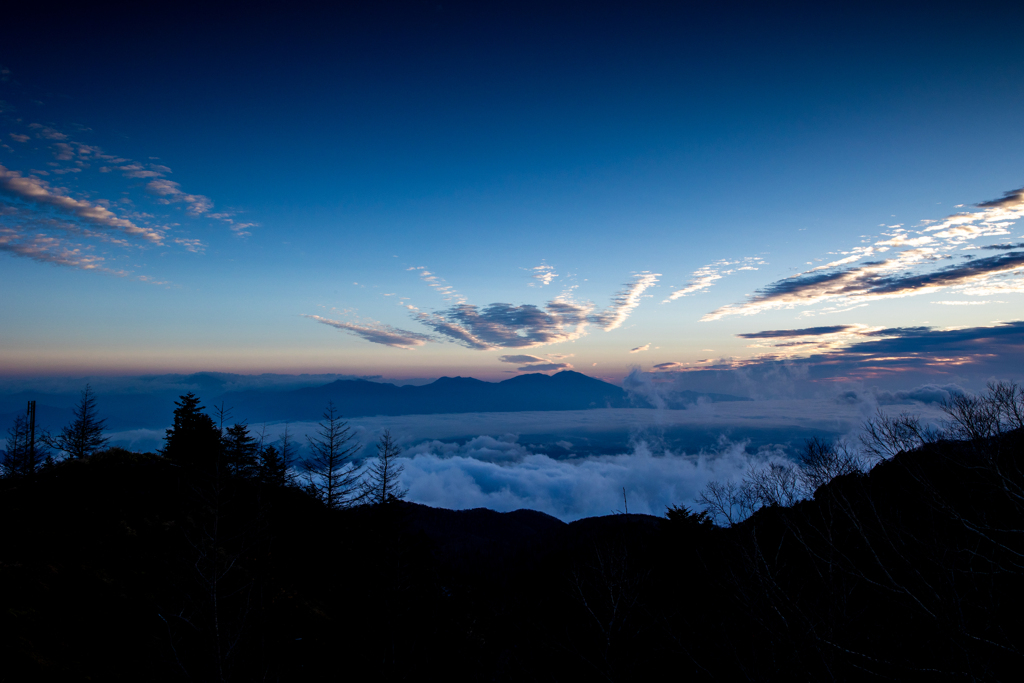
[427, 189]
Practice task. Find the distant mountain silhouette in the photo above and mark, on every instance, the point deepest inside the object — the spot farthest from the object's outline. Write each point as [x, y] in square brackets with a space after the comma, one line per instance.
[566, 390]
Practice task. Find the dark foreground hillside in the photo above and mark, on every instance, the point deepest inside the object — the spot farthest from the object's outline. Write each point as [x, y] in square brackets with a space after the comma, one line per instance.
[128, 566]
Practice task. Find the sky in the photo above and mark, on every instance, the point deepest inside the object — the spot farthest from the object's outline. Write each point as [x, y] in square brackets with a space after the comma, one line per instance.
[714, 197]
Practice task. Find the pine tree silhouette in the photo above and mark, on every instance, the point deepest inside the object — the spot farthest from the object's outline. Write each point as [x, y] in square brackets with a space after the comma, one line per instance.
[193, 439]
[84, 436]
[381, 482]
[240, 450]
[331, 475]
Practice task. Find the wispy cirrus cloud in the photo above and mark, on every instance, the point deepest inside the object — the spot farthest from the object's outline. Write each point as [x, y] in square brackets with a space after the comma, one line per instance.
[63, 151]
[137, 170]
[438, 284]
[966, 303]
[639, 349]
[995, 218]
[875, 280]
[545, 367]
[522, 358]
[169, 192]
[896, 357]
[194, 245]
[46, 132]
[240, 228]
[803, 332]
[502, 325]
[535, 363]
[625, 301]
[36, 191]
[378, 333]
[544, 274]
[52, 250]
[71, 226]
[704, 277]
[918, 265]
[1003, 247]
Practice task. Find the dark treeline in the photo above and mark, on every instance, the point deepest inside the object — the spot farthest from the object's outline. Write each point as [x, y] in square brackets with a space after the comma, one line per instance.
[900, 559]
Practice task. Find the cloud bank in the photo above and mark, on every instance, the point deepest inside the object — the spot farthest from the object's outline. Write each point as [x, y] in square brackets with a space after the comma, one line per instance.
[860, 354]
[504, 476]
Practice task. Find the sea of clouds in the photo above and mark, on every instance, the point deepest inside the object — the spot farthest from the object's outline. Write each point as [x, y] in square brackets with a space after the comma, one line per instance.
[575, 464]
[504, 475]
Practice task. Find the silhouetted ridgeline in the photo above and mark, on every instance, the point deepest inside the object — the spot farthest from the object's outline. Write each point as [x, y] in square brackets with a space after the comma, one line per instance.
[565, 390]
[150, 399]
[127, 566]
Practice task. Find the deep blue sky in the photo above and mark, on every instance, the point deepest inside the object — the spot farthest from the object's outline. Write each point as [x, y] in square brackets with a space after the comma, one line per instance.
[329, 164]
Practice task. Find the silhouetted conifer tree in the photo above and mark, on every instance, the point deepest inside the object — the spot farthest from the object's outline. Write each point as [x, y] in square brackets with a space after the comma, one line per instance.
[16, 453]
[331, 475]
[288, 449]
[272, 467]
[194, 439]
[22, 456]
[84, 436]
[240, 450]
[381, 482]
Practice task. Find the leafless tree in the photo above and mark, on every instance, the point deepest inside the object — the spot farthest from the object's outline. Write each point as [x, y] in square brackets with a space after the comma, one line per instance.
[972, 417]
[885, 436]
[775, 483]
[1008, 399]
[608, 589]
[822, 461]
[728, 502]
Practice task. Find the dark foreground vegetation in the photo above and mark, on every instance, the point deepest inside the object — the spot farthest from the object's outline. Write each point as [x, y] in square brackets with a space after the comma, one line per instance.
[196, 564]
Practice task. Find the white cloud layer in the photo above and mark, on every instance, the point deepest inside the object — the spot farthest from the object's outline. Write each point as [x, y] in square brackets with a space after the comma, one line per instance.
[504, 476]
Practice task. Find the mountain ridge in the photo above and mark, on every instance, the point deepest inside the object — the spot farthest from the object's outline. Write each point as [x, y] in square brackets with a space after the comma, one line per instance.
[565, 390]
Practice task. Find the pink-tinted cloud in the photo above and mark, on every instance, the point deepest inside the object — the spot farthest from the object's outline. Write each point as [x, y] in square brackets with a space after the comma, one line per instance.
[46, 132]
[53, 250]
[137, 170]
[170, 192]
[39, 192]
